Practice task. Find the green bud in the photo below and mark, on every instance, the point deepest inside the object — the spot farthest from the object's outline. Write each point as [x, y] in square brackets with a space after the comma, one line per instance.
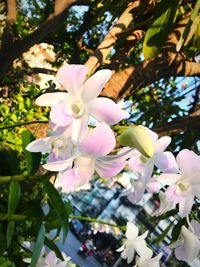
[138, 138]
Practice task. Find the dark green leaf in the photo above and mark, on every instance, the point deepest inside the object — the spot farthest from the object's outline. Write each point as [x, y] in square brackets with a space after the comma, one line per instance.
[162, 24]
[10, 232]
[38, 246]
[32, 159]
[9, 162]
[13, 198]
[177, 228]
[58, 205]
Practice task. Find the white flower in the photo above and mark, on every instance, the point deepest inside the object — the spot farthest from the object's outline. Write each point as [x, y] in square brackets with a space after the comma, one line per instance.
[134, 243]
[186, 184]
[80, 101]
[148, 261]
[187, 247]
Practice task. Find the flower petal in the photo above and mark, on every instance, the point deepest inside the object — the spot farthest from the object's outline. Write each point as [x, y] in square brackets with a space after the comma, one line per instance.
[190, 249]
[189, 163]
[50, 99]
[79, 128]
[168, 178]
[40, 145]
[59, 116]
[92, 144]
[106, 110]
[72, 78]
[131, 231]
[107, 170]
[58, 165]
[94, 85]
[166, 162]
[162, 143]
[185, 206]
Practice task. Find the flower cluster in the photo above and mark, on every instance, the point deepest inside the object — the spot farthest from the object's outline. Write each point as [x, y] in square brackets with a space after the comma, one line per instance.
[81, 142]
[76, 150]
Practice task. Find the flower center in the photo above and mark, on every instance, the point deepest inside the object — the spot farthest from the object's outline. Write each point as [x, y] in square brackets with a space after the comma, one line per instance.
[77, 108]
[182, 186]
[58, 143]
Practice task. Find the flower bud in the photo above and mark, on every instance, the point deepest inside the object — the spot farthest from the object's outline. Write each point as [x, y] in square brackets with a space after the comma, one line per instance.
[138, 138]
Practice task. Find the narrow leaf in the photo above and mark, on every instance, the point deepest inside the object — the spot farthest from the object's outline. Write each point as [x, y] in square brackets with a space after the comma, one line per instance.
[190, 27]
[164, 233]
[9, 233]
[162, 24]
[13, 198]
[58, 205]
[32, 159]
[38, 246]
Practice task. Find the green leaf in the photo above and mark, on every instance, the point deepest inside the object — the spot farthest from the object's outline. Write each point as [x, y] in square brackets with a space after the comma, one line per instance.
[58, 205]
[9, 233]
[38, 246]
[13, 198]
[32, 159]
[9, 162]
[190, 27]
[52, 246]
[156, 35]
[177, 228]
[164, 234]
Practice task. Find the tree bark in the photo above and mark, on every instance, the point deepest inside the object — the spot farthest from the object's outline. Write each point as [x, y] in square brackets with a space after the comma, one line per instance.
[104, 48]
[18, 48]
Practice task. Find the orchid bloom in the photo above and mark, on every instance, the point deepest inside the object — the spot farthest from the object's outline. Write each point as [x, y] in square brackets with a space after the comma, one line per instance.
[80, 101]
[92, 155]
[58, 144]
[184, 187]
[163, 160]
[165, 205]
[148, 261]
[187, 247]
[134, 243]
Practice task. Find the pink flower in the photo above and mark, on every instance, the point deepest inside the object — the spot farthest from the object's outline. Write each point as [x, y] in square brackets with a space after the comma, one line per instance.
[81, 100]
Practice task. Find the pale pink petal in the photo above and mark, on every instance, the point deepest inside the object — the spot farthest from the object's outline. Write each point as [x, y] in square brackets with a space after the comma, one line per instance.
[168, 178]
[166, 162]
[94, 85]
[50, 99]
[196, 227]
[185, 206]
[59, 165]
[107, 170]
[40, 145]
[59, 116]
[162, 143]
[137, 194]
[85, 167]
[153, 186]
[120, 156]
[51, 258]
[69, 180]
[106, 110]
[99, 141]
[188, 162]
[72, 78]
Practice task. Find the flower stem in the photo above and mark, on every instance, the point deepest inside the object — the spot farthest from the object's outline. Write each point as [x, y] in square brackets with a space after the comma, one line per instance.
[22, 124]
[89, 219]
